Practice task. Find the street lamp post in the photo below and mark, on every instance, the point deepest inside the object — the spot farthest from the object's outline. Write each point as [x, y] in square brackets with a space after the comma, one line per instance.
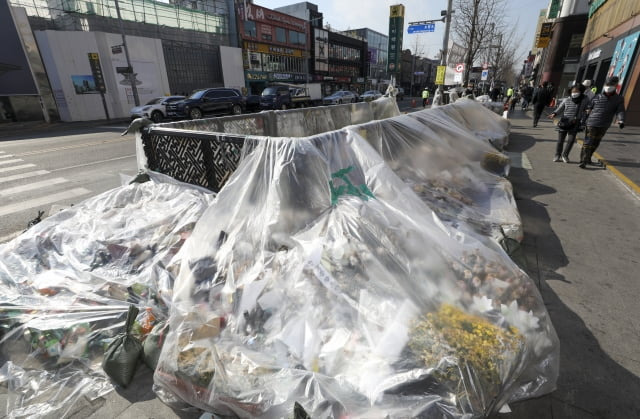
[134, 88]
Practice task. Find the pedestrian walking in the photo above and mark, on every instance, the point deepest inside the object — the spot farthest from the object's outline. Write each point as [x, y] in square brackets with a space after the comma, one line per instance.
[495, 94]
[574, 115]
[509, 95]
[527, 95]
[602, 110]
[589, 93]
[513, 101]
[468, 92]
[425, 97]
[540, 100]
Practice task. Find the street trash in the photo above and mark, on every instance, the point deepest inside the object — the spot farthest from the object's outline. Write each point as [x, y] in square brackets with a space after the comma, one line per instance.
[123, 353]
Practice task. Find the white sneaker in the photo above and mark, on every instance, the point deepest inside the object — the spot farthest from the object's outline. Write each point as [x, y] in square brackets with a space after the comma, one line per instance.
[556, 159]
[565, 159]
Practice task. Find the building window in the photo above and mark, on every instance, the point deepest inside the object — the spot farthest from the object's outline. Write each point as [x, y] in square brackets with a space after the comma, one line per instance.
[250, 29]
[282, 63]
[281, 35]
[297, 38]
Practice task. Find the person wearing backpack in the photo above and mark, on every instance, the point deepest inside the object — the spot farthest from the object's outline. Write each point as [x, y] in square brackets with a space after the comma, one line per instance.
[574, 115]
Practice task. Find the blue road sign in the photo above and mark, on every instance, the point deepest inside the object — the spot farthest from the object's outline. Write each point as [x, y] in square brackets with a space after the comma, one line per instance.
[427, 27]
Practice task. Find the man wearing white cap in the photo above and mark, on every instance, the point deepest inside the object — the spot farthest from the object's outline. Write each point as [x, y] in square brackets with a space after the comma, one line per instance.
[587, 89]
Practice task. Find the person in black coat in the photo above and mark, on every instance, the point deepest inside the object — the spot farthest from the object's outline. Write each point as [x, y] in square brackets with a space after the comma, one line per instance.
[540, 100]
[601, 110]
[527, 95]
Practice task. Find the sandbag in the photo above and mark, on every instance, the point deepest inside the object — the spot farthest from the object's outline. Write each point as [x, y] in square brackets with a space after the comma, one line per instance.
[122, 355]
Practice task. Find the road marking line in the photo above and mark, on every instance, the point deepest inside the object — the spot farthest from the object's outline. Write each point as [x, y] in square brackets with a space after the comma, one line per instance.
[23, 176]
[32, 186]
[96, 162]
[4, 156]
[30, 153]
[22, 166]
[519, 160]
[615, 171]
[11, 161]
[43, 200]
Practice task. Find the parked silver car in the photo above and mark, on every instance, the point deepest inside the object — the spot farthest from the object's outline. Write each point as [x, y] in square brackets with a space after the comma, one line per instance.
[155, 109]
[339, 97]
[370, 95]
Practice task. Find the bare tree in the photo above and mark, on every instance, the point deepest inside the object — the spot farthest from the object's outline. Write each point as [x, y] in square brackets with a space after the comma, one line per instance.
[501, 52]
[475, 23]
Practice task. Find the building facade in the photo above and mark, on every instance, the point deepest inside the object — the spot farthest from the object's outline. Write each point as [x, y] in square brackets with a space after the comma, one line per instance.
[567, 21]
[276, 47]
[172, 50]
[347, 64]
[610, 48]
[377, 55]
[337, 60]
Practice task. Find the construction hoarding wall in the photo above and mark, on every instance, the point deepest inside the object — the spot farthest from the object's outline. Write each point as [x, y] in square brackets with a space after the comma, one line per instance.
[15, 73]
[66, 54]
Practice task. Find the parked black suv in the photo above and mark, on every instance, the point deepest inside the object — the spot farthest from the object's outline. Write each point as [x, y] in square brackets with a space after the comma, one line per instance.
[208, 101]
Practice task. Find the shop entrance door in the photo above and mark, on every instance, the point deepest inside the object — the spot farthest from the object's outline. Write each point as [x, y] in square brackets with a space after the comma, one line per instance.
[602, 74]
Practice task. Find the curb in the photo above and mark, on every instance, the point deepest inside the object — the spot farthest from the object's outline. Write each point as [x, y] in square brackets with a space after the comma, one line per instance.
[617, 173]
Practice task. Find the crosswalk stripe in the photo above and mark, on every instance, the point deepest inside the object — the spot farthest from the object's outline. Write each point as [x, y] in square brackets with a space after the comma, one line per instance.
[43, 200]
[4, 156]
[23, 175]
[22, 166]
[32, 186]
[10, 161]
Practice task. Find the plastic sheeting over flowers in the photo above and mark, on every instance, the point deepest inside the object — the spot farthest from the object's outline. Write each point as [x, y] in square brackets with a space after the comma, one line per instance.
[453, 176]
[320, 277]
[352, 272]
[66, 283]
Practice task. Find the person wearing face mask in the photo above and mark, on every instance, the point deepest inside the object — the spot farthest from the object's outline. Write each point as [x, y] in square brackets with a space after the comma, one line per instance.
[574, 110]
[602, 109]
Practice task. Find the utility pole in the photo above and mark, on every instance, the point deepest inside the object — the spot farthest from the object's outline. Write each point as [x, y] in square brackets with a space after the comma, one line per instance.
[445, 42]
[130, 74]
[447, 19]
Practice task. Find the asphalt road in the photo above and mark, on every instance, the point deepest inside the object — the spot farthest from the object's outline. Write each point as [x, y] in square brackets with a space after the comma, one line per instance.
[59, 168]
[42, 170]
